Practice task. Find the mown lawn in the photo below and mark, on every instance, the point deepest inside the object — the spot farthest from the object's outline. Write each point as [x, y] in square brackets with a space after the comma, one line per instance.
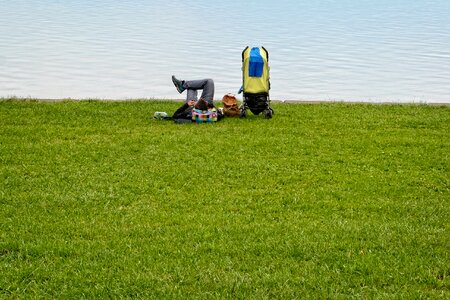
[322, 201]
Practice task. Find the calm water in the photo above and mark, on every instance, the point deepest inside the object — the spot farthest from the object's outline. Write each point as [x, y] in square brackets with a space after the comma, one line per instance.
[355, 50]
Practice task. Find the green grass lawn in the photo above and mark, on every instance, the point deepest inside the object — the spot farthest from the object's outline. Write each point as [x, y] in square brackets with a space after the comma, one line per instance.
[322, 201]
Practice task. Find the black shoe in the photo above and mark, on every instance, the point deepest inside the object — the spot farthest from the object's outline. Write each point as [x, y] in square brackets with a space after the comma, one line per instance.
[178, 84]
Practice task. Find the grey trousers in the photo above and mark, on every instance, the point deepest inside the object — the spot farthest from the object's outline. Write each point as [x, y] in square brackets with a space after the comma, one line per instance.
[192, 86]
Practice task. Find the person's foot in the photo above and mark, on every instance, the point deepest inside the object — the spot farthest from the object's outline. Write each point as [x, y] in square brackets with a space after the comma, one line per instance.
[178, 84]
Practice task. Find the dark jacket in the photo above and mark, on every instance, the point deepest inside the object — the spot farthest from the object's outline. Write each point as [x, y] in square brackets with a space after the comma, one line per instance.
[183, 112]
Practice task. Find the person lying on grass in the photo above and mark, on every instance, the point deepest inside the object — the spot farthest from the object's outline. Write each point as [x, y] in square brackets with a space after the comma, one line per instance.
[197, 111]
[202, 110]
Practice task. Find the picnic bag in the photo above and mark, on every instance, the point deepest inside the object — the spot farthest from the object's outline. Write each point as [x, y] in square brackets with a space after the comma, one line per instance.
[230, 105]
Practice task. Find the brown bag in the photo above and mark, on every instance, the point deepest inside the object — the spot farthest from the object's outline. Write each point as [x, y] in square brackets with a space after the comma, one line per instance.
[230, 106]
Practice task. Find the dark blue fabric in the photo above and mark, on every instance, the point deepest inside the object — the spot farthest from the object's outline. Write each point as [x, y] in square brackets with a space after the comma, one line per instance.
[256, 64]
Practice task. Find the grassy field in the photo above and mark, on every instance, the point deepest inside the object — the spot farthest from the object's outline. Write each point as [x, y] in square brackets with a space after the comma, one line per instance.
[322, 201]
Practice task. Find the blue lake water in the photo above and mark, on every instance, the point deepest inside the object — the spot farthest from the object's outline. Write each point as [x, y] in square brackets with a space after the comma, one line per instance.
[332, 50]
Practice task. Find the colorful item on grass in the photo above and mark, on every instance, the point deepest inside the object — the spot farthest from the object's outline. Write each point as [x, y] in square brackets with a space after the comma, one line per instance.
[204, 116]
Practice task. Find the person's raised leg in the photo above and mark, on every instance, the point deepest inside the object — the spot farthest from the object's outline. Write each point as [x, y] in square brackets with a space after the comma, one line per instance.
[208, 91]
[191, 95]
[207, 85]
